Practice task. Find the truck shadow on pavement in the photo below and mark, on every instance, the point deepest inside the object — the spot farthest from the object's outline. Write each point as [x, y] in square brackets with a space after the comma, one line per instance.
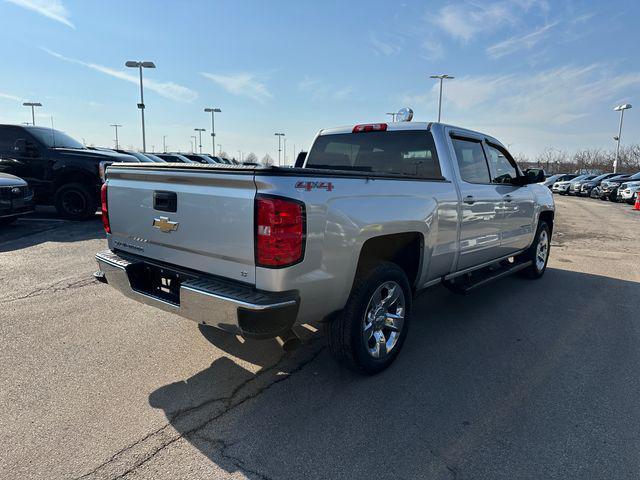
[518, 377]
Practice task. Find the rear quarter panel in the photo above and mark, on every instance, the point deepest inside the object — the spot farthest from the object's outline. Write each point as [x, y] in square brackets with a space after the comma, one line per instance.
[341, 219]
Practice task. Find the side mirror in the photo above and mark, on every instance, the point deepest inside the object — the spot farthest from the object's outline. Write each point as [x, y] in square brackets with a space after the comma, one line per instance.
[20, 146]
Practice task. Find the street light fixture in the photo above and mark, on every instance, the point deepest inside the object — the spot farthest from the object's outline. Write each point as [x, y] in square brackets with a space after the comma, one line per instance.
[393, 116]
[33, 113]
[116, 126]
[213, 128]
[279, 135]
[621, 109]
[441, 77]
[140, 66]
[200, 130]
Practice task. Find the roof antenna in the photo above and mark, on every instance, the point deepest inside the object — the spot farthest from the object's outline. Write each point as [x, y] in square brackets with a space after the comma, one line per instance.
[53, 135]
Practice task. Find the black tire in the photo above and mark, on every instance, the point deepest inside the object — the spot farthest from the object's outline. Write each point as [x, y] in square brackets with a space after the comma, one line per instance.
[536, 270]
[73, 201]
[7, 221]
[345, 333]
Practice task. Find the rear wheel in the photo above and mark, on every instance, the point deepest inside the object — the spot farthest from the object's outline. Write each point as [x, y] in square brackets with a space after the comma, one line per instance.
[74, 202]
[371, 330]
[538, 253]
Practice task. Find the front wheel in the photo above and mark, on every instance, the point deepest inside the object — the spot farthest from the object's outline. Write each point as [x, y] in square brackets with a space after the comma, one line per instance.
[538, 252]
[369, 333]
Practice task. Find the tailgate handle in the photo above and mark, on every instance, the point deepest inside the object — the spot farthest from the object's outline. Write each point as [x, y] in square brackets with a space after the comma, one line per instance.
[165, 201]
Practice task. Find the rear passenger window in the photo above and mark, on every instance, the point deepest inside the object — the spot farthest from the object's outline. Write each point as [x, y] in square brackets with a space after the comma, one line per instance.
[406, 152]
[471, 161]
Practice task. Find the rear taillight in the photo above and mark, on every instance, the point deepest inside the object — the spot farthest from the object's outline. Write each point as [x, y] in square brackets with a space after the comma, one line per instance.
[370, 127]
[279, 231]
[105, 208]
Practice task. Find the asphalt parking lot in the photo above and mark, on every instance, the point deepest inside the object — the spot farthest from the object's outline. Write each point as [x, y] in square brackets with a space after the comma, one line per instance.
[521, 379]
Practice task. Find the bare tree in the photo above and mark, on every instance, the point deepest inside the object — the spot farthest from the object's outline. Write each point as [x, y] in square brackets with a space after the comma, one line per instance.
[251, 157]
[267, 160]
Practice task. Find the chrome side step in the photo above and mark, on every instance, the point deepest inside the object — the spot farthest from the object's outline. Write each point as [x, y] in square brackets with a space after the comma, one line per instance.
[464, 285]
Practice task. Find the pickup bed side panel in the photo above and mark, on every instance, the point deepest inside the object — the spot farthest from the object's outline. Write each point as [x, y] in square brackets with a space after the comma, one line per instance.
[340, 219]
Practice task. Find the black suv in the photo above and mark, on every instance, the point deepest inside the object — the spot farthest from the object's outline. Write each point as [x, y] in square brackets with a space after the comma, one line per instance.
[59, 169]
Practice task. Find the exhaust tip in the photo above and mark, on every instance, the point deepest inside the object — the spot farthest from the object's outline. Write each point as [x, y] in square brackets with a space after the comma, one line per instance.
[289, 341]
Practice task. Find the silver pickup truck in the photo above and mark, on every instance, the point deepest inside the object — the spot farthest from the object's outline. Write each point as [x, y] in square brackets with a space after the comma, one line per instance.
[375, 215]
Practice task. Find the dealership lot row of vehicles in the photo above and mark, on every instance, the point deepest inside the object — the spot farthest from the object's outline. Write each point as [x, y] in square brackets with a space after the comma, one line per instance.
[60, 171]
[616, 187]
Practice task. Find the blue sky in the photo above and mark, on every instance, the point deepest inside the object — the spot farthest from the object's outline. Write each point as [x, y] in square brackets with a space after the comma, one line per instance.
[534, 73]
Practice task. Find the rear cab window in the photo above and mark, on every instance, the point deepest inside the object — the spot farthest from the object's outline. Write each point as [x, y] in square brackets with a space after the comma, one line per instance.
[410, 153]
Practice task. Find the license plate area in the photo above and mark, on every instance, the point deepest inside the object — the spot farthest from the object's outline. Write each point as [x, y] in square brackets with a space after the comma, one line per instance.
[158, 282]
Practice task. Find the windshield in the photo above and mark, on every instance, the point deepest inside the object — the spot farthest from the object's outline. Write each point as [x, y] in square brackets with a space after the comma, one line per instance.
[153, 157]
[407, 152]
[140, 156]
[55, 138]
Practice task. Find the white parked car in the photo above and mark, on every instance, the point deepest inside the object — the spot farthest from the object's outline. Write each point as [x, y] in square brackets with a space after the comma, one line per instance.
[628, 192]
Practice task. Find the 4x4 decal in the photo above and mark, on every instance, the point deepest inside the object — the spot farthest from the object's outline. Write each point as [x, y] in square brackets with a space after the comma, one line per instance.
[308, 186]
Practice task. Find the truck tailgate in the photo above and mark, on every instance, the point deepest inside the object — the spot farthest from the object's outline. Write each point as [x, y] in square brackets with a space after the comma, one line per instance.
[209, 229]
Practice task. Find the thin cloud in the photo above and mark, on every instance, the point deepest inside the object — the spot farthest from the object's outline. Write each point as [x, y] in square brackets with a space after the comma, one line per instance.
[53, 9]
[320, 90]
[242, 84]
[464, 21]
[8, 96]
[432, 50]
[520, 42]
[386, 47]
[552, 97]
[168, 90]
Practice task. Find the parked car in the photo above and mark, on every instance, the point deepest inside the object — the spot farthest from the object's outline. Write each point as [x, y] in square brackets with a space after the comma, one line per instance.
[140, 157]
[153, 157]
[174, 158]
[59, 169]
[16, 198]
[575, 185]
[199, 158]
[562, 187]
[628, 191]
[378, 212]
[588, 185]
[609, 188]
[558, 177]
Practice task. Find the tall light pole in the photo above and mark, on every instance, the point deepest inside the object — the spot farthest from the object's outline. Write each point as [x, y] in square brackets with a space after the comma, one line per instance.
[284, 153]
[116, 126]
[213, 128]
[393, 116]
[279, 135]
[219, 150]
[200, 130]
[164, 143]
[441, 78]
[621, 109]
[140, 66]
[33, 113]
[195, 144]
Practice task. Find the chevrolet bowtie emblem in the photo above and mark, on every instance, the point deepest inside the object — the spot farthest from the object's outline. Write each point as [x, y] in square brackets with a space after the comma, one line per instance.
[165, 225]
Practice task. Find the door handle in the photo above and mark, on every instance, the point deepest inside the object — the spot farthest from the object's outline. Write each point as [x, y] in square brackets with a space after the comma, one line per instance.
[469, 199]
[507, 198]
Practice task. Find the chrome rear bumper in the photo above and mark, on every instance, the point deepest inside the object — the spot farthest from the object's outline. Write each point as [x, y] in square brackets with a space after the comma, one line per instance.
[235, 308]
